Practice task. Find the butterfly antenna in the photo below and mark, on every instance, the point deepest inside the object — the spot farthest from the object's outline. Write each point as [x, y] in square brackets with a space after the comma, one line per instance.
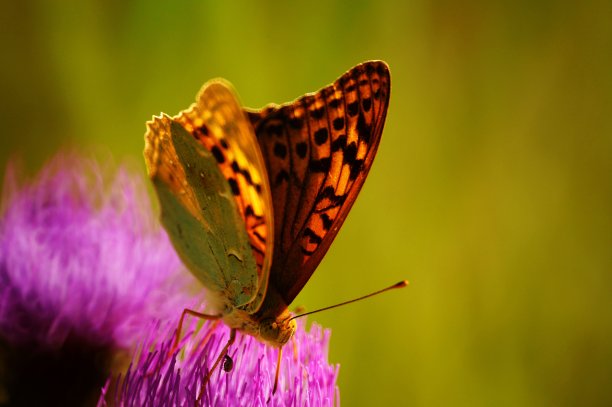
[401, 284]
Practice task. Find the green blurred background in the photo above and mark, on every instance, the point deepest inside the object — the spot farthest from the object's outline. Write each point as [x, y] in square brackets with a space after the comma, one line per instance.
[491, 192]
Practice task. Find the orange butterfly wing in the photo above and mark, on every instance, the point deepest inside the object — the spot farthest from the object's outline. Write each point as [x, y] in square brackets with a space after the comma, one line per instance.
[318, 151]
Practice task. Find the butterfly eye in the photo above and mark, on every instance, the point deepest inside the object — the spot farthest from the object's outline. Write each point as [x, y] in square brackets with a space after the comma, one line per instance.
[277, 331]
[269, 329]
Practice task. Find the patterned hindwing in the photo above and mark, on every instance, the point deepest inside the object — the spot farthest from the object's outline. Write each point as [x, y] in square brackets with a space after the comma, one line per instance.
[218, 122]
[199, 212]
[318, 151]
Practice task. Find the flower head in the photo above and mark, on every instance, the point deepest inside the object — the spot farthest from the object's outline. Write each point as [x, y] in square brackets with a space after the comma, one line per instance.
[78, 257]
[86, 274]
[83, 273]
[158, 378]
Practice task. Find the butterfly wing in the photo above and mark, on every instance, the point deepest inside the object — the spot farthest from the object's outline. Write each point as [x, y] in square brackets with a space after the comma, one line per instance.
[216, 120]
[199, 212]
[318, 151]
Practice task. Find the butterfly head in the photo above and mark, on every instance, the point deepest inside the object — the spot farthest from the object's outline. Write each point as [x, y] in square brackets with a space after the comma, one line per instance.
[277, 331]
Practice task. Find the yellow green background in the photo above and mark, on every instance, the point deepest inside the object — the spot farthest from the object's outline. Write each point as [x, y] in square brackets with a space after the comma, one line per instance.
[491, 192]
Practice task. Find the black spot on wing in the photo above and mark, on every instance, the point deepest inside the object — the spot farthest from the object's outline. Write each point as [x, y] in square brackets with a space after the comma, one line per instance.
[281, 176]
[247, 176]
[327, 221]
[318, 113]
[296, 123]
[301, 149]
[356, 169]
[339, 143]
[350, 153]
[364, 130]
[329, 193]
[338, 123]
[234, 186]
[367, 104]
[218, 154]
[280, 150]
[321, 136]
[308, 252]
[321, 165]
[275, 129]
[312, 236]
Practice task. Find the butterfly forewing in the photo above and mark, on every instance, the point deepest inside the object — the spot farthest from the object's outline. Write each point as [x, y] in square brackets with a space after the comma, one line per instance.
[199, 212]
[218, 122]
[318, 151]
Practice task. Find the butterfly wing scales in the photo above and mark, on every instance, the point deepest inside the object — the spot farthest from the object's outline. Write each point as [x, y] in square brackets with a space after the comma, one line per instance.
[199, 212]
[218, 123]
[318, 151]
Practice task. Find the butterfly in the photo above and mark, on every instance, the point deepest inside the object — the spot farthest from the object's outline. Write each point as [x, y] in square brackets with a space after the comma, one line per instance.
[252, 199]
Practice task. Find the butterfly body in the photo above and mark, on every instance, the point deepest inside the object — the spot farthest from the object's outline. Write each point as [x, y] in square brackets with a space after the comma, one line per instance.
[270, 325]
[252, 200]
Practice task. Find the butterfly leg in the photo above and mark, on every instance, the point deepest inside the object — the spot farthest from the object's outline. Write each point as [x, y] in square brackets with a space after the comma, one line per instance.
[221, 356]
[295, 349]
[278, 363]
[177, 338]
[196, 314]
[210, 333]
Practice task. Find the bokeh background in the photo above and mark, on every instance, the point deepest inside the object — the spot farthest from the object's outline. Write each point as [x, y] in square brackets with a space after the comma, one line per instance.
[491, 191]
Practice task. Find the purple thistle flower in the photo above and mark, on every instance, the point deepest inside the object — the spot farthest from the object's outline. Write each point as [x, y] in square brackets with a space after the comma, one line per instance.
[84, 270]
[86, 273]
[157, 378]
